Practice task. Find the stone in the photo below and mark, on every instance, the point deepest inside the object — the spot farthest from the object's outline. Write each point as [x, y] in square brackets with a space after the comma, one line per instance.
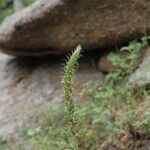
[105, 65]
[141, 77]
[29, 84]
[56, 26]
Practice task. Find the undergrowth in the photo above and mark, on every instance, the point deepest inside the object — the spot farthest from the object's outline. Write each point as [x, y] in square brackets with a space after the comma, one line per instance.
[112, 114]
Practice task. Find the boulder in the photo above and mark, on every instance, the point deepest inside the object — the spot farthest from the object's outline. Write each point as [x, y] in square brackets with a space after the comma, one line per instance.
[141, 77]
[30, 84]
[56, 26]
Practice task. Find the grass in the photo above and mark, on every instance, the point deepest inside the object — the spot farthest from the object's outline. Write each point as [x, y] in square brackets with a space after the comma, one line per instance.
[111, 116]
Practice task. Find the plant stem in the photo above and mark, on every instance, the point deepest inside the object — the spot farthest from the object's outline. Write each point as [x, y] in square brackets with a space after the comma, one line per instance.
[68, 78]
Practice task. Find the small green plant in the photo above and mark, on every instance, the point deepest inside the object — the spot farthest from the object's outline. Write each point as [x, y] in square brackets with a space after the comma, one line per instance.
[68, 78]
[126, 61]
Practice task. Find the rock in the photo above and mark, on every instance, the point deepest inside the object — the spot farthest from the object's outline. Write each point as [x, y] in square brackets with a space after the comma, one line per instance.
[105, 65]
[29, 84]
[141, 77]
[55, 26]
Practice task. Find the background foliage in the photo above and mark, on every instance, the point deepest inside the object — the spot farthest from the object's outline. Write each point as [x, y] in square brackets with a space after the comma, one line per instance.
[6, 9]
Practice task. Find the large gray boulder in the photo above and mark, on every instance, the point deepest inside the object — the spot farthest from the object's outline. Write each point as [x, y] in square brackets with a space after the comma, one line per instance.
[29, 85]
[55, 26]
[141, 77]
